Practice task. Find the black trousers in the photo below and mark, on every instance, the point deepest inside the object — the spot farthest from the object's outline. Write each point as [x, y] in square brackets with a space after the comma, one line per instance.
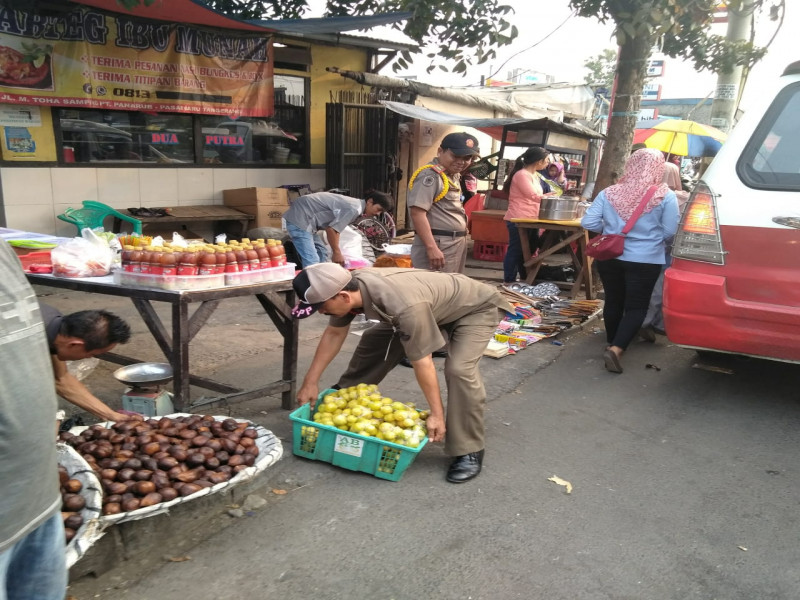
[627, 287]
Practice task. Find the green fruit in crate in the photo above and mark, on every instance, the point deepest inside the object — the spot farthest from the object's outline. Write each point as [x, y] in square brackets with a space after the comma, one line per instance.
[361, 409]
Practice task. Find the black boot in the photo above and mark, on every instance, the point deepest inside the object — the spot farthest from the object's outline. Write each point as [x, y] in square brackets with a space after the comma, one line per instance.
[464, 468]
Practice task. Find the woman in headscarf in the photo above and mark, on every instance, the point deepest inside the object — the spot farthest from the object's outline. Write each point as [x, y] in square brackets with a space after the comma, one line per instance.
[555, 174]
[526, 187]
[628, 280]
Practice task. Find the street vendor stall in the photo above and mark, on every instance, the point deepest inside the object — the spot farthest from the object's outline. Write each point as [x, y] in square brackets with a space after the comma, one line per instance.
[559, 236]
[277, 299]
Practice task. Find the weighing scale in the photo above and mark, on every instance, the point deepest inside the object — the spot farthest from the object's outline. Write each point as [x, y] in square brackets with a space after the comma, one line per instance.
[145, 394]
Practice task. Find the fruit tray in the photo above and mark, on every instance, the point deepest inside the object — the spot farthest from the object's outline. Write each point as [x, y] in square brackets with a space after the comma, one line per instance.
[91, 530]
[352, 451]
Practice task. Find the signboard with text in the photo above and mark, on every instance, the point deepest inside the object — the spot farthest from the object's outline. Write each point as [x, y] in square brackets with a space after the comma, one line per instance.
[87, 58]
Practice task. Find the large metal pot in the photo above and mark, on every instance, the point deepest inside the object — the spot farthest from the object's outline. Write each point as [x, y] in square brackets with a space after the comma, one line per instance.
[561, 208]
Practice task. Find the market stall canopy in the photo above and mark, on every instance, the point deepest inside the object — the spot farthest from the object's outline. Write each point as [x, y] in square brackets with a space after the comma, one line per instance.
[176, 11]
[332, 24]
[492, 127]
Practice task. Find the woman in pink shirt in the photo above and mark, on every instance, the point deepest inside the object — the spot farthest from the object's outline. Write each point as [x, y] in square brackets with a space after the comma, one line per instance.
[525, 187]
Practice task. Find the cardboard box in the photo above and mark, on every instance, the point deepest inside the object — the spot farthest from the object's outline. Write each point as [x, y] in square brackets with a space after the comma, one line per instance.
[267, 205]
[256, 197]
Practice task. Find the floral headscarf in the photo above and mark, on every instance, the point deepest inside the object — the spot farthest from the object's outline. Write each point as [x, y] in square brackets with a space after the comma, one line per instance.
[644, 168]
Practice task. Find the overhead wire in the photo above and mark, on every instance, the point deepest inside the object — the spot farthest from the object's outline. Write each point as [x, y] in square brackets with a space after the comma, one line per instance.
[531, 47]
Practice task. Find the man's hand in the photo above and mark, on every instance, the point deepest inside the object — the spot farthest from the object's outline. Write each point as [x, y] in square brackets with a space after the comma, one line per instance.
[436, 428]
[118, 417]
[435, 258]
[308, 394]
[337, 257]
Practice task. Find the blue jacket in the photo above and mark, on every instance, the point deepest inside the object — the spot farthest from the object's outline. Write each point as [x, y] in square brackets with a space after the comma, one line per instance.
[646, 242]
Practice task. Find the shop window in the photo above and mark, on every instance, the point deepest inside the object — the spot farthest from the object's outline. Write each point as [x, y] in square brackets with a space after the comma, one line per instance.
[97, 136]
[277, 140]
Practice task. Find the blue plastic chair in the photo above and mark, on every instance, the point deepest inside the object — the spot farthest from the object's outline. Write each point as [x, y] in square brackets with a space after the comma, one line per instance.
[93, 214]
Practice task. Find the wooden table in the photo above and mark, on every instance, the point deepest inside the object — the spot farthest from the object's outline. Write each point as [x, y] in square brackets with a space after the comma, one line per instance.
[557, 236]
[277, 299]
[202, 213]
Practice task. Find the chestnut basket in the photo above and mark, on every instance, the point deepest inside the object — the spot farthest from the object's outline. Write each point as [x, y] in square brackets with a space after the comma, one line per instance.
[352, 451]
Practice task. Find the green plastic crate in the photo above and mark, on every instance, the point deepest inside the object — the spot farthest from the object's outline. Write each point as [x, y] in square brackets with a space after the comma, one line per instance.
[349, 450]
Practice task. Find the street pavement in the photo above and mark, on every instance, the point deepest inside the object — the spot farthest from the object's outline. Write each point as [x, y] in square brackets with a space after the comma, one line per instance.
[684, 485]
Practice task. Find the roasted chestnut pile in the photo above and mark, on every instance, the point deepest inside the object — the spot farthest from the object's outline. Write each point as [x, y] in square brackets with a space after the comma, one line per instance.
[72, 503]
[142, 463]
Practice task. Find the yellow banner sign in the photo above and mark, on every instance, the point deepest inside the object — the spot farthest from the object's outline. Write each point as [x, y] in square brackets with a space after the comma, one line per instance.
[87, 58]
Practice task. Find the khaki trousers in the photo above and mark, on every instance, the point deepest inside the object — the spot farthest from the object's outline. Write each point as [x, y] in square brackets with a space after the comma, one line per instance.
[454, 250]
[379, 351]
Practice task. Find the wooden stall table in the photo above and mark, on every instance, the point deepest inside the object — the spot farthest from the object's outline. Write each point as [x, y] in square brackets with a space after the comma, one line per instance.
[557, 236]
[277, 298]
[186, 215]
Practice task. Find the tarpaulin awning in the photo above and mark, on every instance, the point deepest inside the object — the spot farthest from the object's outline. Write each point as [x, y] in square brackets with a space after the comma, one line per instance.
[332, 24]
[493, 127]
[176, 11]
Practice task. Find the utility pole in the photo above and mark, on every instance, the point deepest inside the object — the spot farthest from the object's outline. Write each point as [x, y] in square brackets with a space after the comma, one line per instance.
[727, 93]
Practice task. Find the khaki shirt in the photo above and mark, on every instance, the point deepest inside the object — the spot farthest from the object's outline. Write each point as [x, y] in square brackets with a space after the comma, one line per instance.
[417, 303]
[446, 214]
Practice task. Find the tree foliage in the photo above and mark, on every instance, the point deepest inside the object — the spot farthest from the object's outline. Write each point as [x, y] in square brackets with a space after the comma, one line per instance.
[601, 69]
[680, 29]
[463, 32]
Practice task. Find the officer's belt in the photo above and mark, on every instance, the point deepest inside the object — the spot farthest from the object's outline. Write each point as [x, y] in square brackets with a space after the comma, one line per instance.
[450, 234]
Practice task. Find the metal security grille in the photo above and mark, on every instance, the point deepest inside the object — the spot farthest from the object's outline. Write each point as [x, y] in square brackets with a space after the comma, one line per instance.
[361, 148]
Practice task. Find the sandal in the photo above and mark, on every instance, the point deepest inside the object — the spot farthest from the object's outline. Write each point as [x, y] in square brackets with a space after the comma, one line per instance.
[613, 364]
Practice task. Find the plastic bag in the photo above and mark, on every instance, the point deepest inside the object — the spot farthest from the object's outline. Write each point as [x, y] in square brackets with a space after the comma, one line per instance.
[86, 256]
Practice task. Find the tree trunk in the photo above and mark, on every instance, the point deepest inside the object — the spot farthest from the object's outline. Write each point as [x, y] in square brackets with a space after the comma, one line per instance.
[633, 57]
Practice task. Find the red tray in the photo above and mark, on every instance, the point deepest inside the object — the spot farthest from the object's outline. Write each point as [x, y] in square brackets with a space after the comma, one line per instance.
[36, 262]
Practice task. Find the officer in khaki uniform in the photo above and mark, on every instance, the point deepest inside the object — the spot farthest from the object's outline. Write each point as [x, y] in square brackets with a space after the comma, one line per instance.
[434, 199]
[412, 306]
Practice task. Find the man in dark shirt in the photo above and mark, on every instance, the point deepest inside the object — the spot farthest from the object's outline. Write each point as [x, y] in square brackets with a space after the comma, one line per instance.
[80, 335]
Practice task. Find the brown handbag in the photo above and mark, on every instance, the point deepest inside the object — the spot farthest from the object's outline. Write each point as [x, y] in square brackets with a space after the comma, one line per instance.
[612, 245]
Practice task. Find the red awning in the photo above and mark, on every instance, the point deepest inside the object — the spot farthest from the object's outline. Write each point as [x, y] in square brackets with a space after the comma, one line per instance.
[176, 11]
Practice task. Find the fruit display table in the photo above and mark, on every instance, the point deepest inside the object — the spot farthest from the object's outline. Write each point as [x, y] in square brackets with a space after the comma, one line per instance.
[559, 235]
[277, 299]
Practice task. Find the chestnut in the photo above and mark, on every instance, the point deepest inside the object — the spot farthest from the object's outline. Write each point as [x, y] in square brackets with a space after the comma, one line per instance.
[212, 462]
[236, 460]
[108, 474]
[230, 424]
[143, 475]
[167, 463]
[130, 504]
[69, 534]
[116, 488]
[187, 489]
[151, 448]
[73, 486]
[195, 460]
[199, 440]
[252, 450]
[250, 433]
[222, 457]
[168, 493]
[113, 498]
[144, 487]
[216, 478]
[214, 444]
[73, 522]
[133, 463]
[74, 502]
[150, 499]
[125, 474]
[249, 459]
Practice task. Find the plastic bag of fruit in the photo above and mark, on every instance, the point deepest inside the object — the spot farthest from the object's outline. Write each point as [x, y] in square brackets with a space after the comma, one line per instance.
[87, 256]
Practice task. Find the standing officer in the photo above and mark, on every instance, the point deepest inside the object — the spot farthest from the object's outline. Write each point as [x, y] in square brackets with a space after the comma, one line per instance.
[434, 198]
[411, 305]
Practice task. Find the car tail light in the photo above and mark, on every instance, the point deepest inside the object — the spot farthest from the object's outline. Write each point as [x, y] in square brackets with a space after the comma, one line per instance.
[698, 235]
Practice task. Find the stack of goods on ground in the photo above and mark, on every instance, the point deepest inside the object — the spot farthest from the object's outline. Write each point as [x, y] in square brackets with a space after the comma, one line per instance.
[536, 319]
[359, 429]
[203, 266]
[137, 469]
